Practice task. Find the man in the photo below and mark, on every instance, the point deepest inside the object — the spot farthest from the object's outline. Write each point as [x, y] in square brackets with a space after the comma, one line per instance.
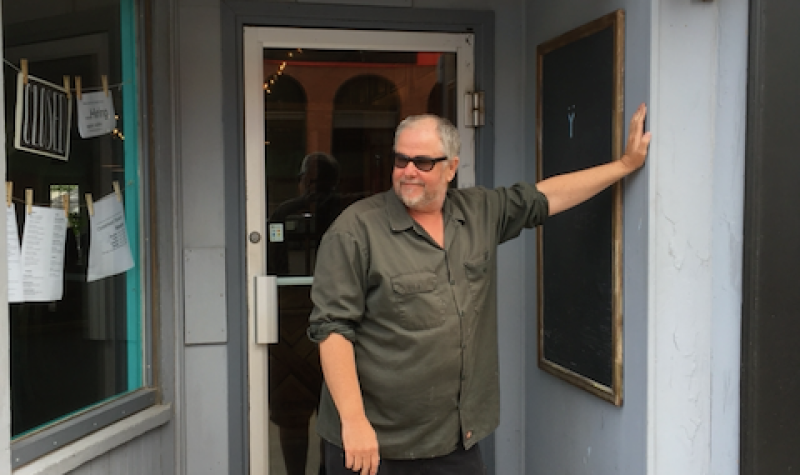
[405, 312]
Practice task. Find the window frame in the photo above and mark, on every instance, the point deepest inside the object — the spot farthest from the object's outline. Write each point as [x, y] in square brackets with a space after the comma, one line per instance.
[72, 427]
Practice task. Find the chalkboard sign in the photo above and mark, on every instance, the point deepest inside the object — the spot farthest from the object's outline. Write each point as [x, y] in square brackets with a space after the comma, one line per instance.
[579, 125]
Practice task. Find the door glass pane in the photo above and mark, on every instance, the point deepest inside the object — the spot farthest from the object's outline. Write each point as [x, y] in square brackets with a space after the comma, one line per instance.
[329, 128]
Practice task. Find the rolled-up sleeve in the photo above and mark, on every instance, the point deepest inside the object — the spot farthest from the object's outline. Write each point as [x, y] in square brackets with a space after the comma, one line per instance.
[520, 206]
[338, 292]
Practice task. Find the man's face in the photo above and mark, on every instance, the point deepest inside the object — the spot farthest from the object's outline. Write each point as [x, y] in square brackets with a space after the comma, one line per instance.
[308, 178]
[419, 190]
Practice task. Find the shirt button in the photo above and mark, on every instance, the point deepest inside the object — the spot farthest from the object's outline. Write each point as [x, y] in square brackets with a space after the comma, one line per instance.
[469, 434]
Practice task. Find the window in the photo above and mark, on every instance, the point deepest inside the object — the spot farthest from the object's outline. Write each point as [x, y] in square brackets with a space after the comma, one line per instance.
[74, 357]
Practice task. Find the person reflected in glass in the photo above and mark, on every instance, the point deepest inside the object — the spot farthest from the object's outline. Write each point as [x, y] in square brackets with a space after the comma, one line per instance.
[301, 220]
[295, 376]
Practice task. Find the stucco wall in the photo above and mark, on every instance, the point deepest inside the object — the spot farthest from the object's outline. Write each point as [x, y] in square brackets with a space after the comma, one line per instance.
[699, 61]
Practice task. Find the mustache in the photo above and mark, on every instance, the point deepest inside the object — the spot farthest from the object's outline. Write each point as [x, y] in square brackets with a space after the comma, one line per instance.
[411, 182]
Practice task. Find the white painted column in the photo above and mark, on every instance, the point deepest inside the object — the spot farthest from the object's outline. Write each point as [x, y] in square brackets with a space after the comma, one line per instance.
[698, 96]
[728, 229]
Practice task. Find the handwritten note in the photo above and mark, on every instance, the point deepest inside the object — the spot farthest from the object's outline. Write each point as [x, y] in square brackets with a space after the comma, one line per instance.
[109, 250]
[13, 256]
[42, 254]
[95, 114]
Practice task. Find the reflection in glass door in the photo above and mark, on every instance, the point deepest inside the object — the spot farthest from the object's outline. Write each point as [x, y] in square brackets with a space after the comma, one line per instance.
[329, 129]
[320, 108]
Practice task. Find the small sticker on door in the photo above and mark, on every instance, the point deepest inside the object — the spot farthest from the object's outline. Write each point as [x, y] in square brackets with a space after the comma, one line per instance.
[276, 232]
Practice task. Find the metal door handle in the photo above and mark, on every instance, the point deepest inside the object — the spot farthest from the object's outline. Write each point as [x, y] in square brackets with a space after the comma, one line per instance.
[266, 309]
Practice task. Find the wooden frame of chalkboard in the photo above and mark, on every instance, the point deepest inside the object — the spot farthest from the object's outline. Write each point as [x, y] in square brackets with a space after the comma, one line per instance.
[579, 124]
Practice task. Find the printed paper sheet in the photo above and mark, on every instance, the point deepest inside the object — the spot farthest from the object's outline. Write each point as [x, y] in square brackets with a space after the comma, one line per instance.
[109, 249]
[43, 241]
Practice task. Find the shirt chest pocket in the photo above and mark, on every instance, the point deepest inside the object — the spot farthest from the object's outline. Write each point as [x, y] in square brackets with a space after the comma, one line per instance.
[417, 300]
[478, 273]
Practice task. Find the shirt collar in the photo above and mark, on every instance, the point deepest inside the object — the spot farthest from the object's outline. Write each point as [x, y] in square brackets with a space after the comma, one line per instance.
[400, 220]
[452, 211]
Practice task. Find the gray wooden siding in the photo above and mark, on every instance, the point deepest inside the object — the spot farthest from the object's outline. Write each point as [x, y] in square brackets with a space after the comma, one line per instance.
[140, 456]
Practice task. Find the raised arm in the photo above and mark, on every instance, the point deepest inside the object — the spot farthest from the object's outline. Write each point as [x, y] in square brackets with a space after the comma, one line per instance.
[358, 437]
[571, 189]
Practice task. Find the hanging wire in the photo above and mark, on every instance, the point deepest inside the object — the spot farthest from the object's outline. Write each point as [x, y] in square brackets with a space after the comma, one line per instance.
[22, 201]
[83, 89]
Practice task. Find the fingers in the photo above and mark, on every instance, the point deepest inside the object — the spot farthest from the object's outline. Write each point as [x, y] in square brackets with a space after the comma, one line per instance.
[363, 463]
[375, 460]
[638, 140]
[639, 115]
[360, 446]
[637, 122]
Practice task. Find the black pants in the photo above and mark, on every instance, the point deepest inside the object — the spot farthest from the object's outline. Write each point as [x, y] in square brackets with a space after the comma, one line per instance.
[458, 462]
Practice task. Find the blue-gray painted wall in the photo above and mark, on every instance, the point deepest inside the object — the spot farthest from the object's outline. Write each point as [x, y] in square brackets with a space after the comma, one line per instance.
[570, 431]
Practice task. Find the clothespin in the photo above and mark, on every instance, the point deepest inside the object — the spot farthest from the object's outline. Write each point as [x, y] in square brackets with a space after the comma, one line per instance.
[78, 87]
[29, 200]
[116, 191]
[104, 80]
[23, 66]
[9, 193]
[67, 87]
[89, 204]
[65, 202]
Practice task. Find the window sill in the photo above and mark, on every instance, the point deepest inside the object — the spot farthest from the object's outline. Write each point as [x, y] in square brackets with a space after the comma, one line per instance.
[98, 443]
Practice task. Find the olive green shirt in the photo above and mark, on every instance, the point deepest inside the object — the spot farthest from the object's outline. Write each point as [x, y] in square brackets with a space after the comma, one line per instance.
[422, 318]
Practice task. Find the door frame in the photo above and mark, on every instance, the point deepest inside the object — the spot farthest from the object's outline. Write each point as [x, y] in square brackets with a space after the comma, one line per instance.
[234, 17]
[768, 392]
[256, 39]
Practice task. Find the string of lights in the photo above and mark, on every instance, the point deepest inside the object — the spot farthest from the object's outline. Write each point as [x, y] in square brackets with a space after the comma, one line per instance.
[268, 84]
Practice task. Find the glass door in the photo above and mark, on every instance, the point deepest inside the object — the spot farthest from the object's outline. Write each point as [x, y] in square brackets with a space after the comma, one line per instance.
[321, 109]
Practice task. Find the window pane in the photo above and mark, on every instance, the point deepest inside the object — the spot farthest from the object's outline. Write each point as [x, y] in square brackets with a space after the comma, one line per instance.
[85, 348]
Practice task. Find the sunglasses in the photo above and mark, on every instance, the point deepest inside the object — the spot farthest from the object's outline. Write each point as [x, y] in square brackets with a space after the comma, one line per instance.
[422, 163]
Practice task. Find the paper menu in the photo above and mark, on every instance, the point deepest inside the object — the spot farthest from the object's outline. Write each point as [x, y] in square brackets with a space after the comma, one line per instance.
[42, 254]
[109, 249]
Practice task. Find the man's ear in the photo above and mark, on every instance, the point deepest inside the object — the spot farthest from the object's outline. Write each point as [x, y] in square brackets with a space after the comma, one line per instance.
[451, 172]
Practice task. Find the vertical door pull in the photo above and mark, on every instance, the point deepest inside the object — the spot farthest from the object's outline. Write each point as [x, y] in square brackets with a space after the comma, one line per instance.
[266, 309]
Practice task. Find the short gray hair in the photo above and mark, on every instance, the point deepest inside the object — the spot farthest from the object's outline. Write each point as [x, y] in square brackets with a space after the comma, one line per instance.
[448, 134]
